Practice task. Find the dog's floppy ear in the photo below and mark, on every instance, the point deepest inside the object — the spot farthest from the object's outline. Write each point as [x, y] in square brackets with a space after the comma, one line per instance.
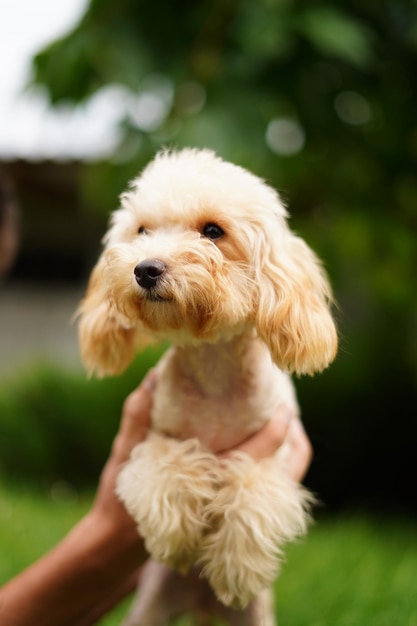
[107, 345]
[293, 308]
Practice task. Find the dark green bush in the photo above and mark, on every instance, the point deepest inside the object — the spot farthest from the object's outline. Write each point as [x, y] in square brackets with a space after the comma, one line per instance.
[57, 424]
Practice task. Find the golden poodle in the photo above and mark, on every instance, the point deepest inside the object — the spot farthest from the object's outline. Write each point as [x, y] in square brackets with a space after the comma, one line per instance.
[200, 254]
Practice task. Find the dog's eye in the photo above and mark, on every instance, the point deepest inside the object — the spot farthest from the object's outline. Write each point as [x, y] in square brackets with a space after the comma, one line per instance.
[212, 231]
[142, 230]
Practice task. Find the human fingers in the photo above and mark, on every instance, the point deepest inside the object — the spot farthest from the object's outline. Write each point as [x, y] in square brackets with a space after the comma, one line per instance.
[134, 425]
[301, 451]
[266, 441]
[135, 417]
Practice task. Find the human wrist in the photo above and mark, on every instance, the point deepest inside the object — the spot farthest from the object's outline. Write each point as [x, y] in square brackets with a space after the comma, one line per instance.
[114, 543]
[92, 567]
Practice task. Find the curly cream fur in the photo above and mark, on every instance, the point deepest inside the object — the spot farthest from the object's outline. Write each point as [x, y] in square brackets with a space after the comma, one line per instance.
[228, 305]
[173, 533]
[255, 511]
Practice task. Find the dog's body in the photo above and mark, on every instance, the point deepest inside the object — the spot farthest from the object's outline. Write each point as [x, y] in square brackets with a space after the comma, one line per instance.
[200, 254]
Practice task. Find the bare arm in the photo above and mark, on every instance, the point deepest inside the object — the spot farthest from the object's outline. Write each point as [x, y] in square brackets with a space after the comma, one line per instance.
[97, 563]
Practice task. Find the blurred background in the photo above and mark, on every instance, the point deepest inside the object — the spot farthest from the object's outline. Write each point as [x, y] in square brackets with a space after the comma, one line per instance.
[320, 100]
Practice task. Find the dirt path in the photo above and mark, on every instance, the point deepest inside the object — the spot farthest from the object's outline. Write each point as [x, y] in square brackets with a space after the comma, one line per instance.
[35, 323]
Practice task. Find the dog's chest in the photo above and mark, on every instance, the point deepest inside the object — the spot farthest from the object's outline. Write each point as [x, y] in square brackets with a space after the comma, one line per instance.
[225, 409]
[219, 423]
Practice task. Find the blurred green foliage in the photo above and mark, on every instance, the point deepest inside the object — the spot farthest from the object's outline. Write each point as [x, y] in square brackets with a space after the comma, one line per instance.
[319, 99]
[57, 425]
[352, 570]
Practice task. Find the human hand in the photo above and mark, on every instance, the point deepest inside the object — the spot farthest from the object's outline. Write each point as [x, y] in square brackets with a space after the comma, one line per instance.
[122, 552]
[97, 562]
[286, 427]
[133, 430]
[301, 450]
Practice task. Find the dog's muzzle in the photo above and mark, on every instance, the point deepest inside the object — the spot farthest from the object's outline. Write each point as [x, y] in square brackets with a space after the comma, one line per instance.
[149, 272]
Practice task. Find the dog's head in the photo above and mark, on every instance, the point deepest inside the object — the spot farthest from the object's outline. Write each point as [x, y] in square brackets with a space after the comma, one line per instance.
[200, 250]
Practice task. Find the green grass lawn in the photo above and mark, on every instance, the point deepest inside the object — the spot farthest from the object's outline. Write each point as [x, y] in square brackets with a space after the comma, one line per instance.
[352, 570]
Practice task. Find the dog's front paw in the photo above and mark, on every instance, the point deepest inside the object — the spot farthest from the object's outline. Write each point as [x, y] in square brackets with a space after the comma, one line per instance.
[165, 487]
[256, 511]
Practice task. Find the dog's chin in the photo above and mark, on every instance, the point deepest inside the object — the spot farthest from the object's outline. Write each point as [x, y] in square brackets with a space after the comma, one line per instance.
[171, 319]
[154, 296]
[158, 310]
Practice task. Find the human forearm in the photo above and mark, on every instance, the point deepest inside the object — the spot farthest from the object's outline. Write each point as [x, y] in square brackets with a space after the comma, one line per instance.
[87, 573]
[94, 566]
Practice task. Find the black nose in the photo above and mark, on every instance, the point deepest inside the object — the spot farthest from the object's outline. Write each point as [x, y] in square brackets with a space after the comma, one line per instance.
[148, 272]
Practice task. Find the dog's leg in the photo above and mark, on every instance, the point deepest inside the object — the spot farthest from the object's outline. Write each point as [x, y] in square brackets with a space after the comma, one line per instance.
[256, 511]
[165, 487]
[163, 595]
[260, 612]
